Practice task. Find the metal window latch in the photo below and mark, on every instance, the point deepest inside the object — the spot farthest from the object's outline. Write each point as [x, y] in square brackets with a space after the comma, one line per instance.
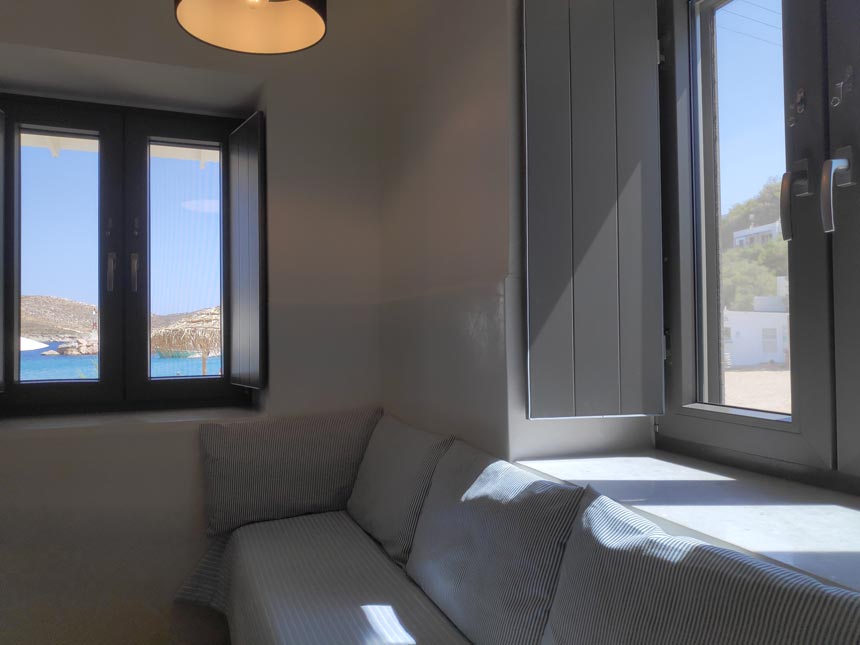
[836, 173]
[795, 183]
[111, 271]
[135, 266]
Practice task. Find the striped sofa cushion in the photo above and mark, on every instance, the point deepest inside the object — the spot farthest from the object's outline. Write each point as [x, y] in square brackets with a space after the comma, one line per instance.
[489, 544]
[321, 580]
[393, 481]
[623, 580]
[206, 583]
[272, 468]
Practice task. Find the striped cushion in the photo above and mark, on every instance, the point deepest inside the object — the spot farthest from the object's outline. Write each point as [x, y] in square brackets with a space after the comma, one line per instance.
[489, 543]
[623, 580]
[205, 585]
[320, 579]
[393, 481]
[271, 468]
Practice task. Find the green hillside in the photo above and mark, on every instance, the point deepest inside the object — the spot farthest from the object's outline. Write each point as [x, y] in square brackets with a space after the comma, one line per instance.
[751, 271]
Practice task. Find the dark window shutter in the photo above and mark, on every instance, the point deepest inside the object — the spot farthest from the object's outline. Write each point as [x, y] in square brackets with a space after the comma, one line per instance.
[248, 254]
[3, 210]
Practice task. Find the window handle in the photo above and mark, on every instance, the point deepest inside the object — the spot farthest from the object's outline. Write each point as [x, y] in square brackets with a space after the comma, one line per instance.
[111, 271]
[836, 173]
[795, 183]
[135, 266]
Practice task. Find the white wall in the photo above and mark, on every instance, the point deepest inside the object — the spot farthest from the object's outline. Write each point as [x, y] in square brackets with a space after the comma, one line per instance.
[452, 320]
[394, 276]
[324, 235]
[103, 517]
[445, 212]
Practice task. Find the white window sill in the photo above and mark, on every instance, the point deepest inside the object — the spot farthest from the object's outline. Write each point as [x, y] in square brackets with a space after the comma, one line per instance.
[810, 529]
[118, 420]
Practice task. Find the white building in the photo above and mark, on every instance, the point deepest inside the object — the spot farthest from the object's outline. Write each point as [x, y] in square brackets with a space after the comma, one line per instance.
[753, 338]
[758, 234]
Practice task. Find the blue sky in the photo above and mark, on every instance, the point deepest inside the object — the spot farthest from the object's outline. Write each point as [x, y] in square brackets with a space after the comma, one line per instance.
[751, 103]
[60, 235]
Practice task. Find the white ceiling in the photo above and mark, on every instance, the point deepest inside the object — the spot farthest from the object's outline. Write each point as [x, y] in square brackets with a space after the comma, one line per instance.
[133, 52]
[51, 72]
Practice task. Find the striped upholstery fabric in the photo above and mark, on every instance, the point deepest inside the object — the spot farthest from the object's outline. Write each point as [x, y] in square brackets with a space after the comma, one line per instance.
[319, 579]
[272, 468]
[393, 481]
[206, 584]
[623, 580]
[489, 544]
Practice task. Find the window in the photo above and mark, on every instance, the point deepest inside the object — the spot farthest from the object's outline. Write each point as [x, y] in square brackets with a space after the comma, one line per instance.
[757, 297]
[742, 157]
[185, 260]
[117, 258]
[59, 222]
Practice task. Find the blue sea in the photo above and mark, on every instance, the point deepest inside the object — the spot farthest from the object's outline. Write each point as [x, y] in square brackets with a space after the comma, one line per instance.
[35, 367]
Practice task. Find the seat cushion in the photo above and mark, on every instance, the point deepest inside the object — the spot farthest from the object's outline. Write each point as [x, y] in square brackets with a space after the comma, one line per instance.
[321, 579]
[273, 468]
[623, 580]
[489, 544]
[393, 481]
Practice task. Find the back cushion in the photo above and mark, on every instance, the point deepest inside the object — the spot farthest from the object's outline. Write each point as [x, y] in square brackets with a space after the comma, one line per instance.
[489, 543]
[623, 580]
[272, 468]
[393, 481]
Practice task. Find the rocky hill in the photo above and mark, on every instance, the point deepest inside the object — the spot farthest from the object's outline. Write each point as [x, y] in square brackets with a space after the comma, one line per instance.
[46, 319]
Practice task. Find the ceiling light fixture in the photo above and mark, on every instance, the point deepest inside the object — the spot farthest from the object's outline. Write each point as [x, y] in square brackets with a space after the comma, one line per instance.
[254, 26]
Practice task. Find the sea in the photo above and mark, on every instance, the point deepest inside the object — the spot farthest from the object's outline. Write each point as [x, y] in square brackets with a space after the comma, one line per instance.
[35, 367]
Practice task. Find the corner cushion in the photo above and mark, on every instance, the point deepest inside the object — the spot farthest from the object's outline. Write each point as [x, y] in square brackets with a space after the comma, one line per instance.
[273, 468]
[392, 483]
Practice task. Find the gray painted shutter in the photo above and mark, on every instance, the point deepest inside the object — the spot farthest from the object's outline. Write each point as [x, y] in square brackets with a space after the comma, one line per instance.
[248, 254]
[594, 248]
[549, 250]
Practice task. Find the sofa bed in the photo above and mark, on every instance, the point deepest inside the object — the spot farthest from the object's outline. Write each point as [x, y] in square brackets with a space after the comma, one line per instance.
[355, 527]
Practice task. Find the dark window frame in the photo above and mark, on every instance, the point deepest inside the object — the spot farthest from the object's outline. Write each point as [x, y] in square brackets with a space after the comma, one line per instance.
[123, 195]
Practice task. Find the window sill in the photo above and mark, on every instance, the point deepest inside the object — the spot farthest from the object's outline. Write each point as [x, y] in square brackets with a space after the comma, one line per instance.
[738, 416]
[806, 528]
[759, 415]
[115, 420]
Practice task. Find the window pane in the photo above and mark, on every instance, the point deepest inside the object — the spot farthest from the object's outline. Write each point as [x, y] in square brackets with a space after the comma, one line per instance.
[185, 261]
[746, 279]
[59, 258]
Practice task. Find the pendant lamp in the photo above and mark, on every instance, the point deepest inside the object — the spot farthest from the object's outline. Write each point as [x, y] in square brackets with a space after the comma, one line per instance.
[254, 26]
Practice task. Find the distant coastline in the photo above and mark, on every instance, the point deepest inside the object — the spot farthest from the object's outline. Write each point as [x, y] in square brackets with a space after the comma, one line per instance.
[70, 327]
[65, 334]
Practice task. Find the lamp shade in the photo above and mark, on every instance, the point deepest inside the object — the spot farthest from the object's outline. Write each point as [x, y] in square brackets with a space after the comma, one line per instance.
[254, 26]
